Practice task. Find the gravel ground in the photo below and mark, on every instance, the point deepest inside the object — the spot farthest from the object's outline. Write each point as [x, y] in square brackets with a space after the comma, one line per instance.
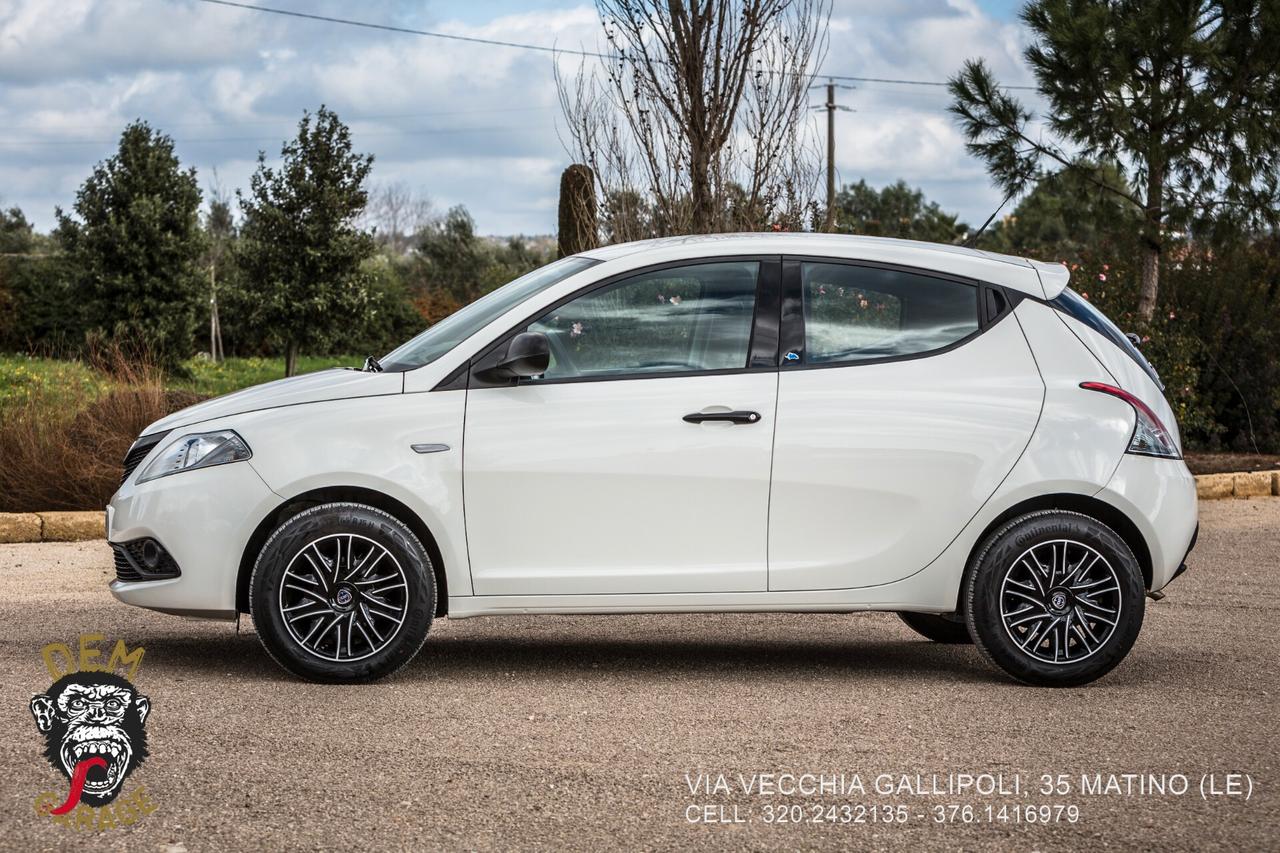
[577, 732]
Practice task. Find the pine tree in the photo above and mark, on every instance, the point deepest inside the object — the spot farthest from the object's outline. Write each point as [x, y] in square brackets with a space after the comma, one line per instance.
[1182, 94]
[301, 249]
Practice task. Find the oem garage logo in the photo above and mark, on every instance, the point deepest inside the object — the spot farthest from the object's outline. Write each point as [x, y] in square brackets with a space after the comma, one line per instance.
[93, 720]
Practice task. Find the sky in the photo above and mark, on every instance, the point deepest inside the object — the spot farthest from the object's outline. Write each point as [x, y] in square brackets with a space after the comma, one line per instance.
[458, 123]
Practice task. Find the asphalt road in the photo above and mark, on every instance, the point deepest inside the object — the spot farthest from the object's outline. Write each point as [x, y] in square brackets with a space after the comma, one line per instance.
[577, 732]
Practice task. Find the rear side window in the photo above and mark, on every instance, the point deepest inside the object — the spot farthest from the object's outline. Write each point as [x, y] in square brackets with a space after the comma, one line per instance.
[854, 313]
[1074, 305]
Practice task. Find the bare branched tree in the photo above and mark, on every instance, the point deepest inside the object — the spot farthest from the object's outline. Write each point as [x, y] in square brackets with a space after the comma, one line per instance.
[698, 121]
[397, 212]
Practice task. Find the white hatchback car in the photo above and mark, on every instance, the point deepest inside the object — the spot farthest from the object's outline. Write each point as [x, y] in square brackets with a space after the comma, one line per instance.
[761, 422]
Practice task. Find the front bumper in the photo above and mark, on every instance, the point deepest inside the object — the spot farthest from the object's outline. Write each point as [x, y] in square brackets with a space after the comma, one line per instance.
[204, 518]
[1159, 496]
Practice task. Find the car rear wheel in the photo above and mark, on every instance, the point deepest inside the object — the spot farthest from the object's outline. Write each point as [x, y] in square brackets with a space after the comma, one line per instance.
[342, 592]
[1055, 598]
[940, 629]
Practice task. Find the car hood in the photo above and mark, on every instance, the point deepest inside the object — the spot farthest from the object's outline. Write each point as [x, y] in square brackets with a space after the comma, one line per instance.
[336, 384]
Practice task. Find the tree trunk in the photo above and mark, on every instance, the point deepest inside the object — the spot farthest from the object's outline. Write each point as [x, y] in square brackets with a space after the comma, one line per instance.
[290, 358]
[700, 190]
[1150, 279]
[1152, 243]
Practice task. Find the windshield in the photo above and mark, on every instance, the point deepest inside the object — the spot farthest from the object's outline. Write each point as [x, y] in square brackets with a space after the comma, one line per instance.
[466, 321]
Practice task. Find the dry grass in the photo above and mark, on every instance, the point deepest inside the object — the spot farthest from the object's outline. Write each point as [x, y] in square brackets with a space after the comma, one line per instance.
[62, 449]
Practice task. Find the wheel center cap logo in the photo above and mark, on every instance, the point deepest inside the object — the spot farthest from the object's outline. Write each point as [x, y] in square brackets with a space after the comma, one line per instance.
[343, 598]
[1059, 600]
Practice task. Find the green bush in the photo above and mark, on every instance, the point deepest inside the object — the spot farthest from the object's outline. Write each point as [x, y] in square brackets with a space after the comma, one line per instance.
[134, 249]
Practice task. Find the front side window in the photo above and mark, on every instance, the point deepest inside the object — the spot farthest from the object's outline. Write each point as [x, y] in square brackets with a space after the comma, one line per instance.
[465, 322]
[679, 320]
[854, 313]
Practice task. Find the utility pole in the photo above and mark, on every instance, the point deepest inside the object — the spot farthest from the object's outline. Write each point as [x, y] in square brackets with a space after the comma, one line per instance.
[831, 157]
[831, 106]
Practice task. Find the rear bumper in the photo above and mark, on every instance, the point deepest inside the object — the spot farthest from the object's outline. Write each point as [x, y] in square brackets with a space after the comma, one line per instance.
[1159, 496]
[1182, 568]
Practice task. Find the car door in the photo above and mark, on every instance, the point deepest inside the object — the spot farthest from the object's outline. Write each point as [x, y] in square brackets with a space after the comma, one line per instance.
[639, 462]
[904, 400]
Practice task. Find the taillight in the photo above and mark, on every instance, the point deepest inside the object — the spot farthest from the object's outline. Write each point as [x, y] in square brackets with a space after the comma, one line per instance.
[1150, 438]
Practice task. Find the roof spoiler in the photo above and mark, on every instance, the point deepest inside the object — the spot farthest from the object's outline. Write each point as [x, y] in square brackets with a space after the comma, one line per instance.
[1053, 277]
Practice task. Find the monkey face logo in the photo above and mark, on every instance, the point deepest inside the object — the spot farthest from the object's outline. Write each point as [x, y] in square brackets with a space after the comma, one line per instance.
[94, 729]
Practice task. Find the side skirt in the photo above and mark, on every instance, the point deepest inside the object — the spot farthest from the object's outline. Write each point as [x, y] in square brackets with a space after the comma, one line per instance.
[827, 601]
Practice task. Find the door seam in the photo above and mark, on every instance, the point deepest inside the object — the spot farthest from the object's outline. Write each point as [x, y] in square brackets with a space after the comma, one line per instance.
[768, 511]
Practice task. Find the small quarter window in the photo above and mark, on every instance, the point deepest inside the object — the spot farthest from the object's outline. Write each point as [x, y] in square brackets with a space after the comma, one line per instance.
[854, 313]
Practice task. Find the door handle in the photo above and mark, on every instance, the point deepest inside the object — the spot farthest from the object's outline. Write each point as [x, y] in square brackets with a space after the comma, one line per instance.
[728, 417]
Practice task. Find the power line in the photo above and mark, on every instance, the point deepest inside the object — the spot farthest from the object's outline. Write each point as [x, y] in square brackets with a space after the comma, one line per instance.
[289, 13]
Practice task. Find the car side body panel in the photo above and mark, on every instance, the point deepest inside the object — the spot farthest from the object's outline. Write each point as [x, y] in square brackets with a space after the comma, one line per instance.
[599, 487]
[878, 466]
[1075, 449]
[1126, 373]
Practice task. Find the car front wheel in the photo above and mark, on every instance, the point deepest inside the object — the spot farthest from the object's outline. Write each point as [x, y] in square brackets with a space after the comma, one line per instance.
[1055, 598]
[342, 592]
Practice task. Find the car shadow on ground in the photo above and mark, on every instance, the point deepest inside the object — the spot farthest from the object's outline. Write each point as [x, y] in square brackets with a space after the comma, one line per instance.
[739, 660]
[448, 658]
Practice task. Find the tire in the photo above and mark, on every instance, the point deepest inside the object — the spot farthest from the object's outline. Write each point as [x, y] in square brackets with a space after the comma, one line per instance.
[342, 592]
[1043, 592]
[940, 629]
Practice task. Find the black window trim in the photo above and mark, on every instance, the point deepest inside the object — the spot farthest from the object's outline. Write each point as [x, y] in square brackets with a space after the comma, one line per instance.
[762, 349]
[793, 331]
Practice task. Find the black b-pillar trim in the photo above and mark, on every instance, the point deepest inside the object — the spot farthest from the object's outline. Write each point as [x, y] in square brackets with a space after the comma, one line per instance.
[764, 330]
[792, 333]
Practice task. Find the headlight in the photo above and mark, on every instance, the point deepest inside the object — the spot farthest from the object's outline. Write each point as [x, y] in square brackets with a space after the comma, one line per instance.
[197, 451]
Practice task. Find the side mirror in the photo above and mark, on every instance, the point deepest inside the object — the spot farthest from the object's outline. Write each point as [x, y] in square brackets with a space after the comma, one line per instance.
[1135, 339]
[528, 354]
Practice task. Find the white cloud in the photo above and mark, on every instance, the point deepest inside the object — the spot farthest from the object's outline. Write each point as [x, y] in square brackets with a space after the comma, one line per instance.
[466, 123]
[904, 131]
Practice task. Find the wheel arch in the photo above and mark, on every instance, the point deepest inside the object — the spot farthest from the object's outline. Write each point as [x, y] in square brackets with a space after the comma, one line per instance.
[331, 494]
[1083, 504]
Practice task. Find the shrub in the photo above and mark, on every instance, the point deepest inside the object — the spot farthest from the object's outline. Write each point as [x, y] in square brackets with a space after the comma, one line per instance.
[61, 445]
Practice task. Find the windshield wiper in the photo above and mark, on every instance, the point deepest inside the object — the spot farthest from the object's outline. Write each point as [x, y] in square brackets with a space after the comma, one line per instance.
[371, 365]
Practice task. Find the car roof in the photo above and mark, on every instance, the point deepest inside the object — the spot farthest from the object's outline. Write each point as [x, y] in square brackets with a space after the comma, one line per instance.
[1035, 278]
